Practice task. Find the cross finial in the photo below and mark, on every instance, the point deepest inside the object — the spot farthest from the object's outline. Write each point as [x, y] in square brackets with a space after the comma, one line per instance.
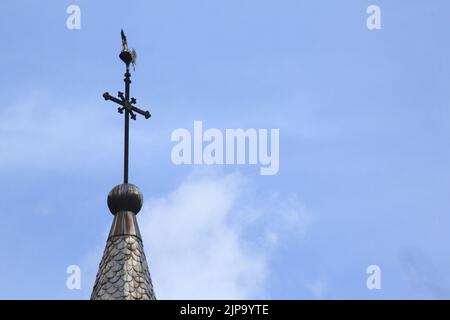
[126, 105]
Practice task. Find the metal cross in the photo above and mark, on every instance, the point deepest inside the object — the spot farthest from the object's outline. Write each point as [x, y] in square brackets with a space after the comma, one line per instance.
[126, 104]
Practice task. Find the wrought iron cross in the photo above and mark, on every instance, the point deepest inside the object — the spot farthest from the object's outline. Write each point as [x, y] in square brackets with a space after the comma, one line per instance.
[126, 104]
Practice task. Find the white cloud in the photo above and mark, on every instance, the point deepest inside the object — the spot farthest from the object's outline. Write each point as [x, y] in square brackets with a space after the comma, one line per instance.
[40, 132]
[318, 288]
[212, 237]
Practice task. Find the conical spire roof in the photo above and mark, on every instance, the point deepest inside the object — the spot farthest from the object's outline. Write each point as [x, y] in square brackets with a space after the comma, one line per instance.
[123, 272]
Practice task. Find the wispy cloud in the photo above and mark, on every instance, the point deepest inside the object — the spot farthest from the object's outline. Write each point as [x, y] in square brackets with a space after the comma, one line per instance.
[46, 133]
[318, 288]
[52, 133]
[197, 237]
[423, 274]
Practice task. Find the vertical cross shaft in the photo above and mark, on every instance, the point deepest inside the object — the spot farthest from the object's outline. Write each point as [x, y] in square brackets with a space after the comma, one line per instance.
[126, 103]
[127, 126]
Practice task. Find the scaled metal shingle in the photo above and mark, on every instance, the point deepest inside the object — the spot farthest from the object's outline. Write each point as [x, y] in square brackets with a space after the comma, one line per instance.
[123, 272]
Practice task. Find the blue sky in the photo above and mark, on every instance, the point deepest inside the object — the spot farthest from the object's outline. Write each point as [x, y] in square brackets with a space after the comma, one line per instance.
[364, 158]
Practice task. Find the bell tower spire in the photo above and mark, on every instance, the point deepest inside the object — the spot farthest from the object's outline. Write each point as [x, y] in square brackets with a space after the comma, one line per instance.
[123, 272]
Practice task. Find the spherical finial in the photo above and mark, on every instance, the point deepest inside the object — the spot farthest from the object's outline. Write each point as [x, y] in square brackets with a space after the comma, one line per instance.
[125, 197]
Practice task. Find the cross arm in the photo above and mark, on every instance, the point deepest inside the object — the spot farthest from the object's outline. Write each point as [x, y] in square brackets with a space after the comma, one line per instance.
[107, 97]
[146, 114]
[127, 105]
